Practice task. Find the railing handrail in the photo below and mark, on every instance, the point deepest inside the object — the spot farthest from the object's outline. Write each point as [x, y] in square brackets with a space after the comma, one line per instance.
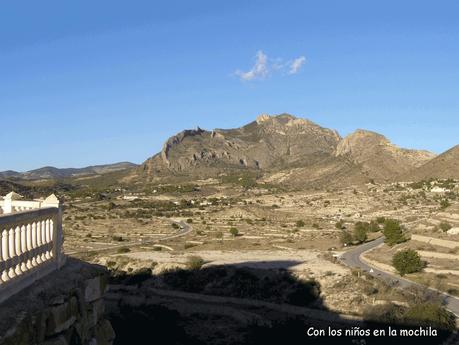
[25, 216]
[30, 242]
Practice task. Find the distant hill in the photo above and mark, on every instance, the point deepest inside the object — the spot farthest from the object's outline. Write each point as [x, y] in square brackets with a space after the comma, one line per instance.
[283, 149]
[56, 173]
[443, 166]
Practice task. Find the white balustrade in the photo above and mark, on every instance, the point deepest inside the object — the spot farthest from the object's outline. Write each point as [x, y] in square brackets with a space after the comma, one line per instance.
[30, 242]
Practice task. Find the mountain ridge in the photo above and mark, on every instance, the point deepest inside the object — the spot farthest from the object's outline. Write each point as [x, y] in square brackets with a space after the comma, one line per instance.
[296, 149]
[50, 172]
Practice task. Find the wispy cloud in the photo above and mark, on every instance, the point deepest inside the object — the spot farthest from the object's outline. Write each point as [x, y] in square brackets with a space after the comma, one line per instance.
[264, 66]
[296, 65]
[258, 71]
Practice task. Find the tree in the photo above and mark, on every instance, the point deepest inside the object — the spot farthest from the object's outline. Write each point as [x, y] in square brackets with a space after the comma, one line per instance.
[346, 238]
[360, 234]
[234, 232]
[361, 231]
[393, 232]
[407, 261]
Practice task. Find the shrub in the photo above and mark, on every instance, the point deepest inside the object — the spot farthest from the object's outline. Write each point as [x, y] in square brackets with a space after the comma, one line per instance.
[234, 232]
[300, 224]
[393, 232]
[189, 221]
[430, 314]
[346, 238]
[339, 225]
[195, 262]
[445, 226]
[444, 204]
[175, 226]
[117, 238]
[407, 261]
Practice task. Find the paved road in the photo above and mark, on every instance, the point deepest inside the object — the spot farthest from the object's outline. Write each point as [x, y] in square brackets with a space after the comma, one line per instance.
[352, 259]
[182, 231]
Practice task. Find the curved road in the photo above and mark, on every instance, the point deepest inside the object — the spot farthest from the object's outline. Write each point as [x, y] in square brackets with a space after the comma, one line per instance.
[184, 229]
[352, 259]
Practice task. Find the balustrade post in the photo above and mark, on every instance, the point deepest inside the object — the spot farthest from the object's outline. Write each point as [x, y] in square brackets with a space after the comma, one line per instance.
[56, 230]
[5, 255]
[39, 242]
[23, 248]
[29, 246]
[12, 251]
[34, 244]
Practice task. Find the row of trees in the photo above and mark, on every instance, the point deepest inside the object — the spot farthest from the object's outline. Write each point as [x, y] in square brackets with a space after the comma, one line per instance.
[391, 228]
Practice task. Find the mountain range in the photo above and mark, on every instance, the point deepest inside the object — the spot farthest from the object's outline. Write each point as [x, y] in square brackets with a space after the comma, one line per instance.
[294, 151]
[56, 173]
[280, 149]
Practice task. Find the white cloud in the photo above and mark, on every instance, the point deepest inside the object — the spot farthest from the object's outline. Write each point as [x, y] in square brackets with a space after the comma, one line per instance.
[296, 65]
[264, 66]
[258, 71]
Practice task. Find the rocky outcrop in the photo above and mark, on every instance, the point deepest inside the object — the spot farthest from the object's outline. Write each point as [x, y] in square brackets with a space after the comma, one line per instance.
[378, 157]
[267, 144]
[65, 308]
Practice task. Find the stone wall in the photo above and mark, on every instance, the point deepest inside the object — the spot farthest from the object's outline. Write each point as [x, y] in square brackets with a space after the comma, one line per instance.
[65, 308]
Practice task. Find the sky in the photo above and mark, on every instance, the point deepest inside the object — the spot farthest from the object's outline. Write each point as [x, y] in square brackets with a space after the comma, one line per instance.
[91, 82]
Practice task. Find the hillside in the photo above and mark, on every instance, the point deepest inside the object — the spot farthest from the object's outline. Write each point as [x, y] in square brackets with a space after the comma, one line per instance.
[378, 157]
[283, 149]
[444, 166]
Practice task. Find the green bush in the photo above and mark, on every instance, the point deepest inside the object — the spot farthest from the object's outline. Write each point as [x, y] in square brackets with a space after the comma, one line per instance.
[189, 221]
[339, 225]
[300, 224]
[346, 238]
[393, 232]
[234, 232]
[445, 226]
[195, 262]
[407, 261]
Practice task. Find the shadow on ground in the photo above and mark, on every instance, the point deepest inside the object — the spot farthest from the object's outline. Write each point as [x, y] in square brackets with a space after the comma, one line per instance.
[248, 304]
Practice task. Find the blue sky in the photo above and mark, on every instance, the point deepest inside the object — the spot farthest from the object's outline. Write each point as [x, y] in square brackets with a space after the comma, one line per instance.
[89, 82]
